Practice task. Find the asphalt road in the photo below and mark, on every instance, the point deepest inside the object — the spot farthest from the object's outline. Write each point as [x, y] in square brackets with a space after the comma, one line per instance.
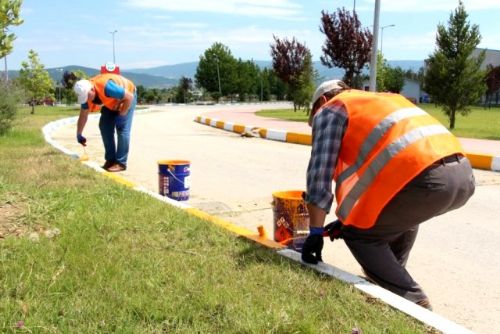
[455, 258]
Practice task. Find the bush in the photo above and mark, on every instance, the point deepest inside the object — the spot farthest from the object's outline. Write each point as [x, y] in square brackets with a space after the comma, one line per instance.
[9, 98]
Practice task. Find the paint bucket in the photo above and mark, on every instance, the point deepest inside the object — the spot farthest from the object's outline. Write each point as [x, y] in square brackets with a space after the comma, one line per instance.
[174, 179]
[291, 218]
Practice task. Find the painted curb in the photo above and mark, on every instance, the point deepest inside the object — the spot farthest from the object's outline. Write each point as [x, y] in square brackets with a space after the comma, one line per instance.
[478, 160]
[427, 317]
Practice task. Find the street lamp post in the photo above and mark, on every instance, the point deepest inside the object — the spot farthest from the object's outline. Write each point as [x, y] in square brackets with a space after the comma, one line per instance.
[373, 60]
[6, 74]
[382, 34]
[113, 34]
[218, 76]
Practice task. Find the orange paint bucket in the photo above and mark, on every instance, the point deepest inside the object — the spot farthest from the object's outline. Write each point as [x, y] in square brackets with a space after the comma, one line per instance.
[291, 218]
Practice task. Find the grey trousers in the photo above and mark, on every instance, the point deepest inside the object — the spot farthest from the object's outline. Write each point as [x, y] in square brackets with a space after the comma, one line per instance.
[383, 250]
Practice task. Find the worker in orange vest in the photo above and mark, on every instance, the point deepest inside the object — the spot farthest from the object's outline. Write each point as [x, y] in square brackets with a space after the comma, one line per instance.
[394, 167]
[115, 96]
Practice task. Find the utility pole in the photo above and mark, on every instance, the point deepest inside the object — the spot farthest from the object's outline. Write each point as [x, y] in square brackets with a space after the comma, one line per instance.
[373, 61]
[218, 75]
[6, 73]
[113, 34]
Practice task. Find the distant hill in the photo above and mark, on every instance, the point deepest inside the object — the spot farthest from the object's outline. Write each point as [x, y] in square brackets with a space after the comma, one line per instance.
[175, 72]
[169, 75]
[146, 80]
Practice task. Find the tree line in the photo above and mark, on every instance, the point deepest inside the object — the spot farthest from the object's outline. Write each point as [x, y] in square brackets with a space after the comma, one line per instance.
[451, 76]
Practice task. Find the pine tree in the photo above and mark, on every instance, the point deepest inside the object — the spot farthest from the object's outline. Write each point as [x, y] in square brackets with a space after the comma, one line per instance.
[453, 78]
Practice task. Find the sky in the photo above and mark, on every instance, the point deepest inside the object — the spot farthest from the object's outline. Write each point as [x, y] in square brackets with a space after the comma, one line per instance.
[152, 33]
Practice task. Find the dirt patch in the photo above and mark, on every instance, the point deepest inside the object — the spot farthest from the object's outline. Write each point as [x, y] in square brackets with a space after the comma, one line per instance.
[10, 222]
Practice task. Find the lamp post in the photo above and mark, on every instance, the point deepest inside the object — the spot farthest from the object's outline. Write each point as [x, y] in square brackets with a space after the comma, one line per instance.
[113, 34]
[382, 34]
[373, 60]
[6, 73]
[218, 76]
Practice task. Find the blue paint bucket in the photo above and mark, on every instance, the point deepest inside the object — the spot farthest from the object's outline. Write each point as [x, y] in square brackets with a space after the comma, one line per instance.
[174, 179]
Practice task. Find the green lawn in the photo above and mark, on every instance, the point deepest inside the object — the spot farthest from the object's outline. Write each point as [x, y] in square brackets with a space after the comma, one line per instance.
[480, 123]
[82, 254]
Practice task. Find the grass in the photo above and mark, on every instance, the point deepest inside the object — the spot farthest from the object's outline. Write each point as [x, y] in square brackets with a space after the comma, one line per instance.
[123, 262]
[481, 123]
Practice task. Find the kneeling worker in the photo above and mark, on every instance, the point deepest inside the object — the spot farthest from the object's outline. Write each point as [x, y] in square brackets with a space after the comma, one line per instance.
[394, 167]
[117, 96]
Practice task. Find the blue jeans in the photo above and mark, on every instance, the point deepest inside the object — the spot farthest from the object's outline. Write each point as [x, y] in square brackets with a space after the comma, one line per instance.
[107, 124]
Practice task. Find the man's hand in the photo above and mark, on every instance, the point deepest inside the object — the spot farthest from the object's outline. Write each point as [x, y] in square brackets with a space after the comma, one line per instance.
[333, 230]
[81, 139]
[311, 250]
[121, 122]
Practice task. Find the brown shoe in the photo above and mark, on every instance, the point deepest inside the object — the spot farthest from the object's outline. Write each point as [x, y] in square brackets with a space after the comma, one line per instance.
[107, 164]
[425, 303]
[117, 168]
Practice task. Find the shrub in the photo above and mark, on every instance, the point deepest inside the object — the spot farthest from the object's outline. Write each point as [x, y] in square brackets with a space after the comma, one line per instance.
[9, 97]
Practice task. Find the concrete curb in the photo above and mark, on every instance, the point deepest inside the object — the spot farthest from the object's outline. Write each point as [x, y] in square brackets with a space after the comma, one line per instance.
[427, 317]
[480, 161]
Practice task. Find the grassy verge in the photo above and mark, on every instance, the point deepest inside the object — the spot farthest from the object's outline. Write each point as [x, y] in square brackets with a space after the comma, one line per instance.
[81, 254]
[480, 123]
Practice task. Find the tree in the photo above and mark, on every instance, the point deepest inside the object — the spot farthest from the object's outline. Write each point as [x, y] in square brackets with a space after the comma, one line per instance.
[493, 83]
[9, 98]
[9, 15]
[347, 44]
[35, 79]
[292, 64]
[453, 78]
[217, 66]
[381, 72]
[183, 93]
[248, 82]
[394, 80]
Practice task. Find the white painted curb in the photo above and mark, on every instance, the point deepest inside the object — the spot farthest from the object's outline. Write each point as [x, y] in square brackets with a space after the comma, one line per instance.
[480, 161]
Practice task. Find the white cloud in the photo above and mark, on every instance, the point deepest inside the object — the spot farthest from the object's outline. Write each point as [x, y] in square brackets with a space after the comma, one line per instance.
[409, 6]
[268, 8]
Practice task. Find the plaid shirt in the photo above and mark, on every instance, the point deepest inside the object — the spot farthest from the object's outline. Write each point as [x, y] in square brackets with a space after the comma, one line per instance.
[328, 128]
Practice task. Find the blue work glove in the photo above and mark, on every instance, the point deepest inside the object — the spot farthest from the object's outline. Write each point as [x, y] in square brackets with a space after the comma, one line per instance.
[121, 122]
[81, 139]
[311, 250]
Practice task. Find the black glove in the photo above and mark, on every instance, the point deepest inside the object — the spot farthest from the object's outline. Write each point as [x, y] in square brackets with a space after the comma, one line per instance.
[81, 139]
[311, 250]
[333, 230]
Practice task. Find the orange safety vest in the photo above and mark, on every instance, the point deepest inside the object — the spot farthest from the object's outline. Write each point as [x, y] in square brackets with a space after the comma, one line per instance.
[99, 82]
[388, 141]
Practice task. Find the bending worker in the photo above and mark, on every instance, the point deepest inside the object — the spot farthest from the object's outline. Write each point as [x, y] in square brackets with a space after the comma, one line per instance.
[394, 167]
[117, 97]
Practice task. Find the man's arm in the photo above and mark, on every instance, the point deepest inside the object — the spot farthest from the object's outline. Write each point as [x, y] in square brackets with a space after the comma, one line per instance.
[328, 131]
[124, 104]
[123, 98]
[82, 120]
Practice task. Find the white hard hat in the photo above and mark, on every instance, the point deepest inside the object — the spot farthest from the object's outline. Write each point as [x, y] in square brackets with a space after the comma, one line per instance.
[82, 89]
[326, 87]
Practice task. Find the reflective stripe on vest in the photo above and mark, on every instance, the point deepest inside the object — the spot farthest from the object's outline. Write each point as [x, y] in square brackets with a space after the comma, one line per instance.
[381, 160]
[388, 141]
[377, 133]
